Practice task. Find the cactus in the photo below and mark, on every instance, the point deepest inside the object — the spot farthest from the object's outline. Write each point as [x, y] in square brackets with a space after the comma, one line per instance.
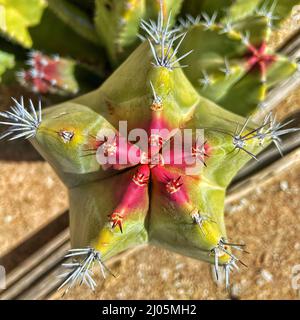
[157, 189]
[277, 10]
[231, 57]
[103, 33]
[117, 22]
[49, 74]
[50, 37]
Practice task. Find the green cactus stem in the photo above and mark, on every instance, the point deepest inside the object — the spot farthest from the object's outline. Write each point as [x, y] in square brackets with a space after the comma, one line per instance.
[275, 11]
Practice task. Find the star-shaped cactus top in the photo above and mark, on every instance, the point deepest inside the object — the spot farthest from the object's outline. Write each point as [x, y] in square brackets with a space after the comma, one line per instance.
[169, 196]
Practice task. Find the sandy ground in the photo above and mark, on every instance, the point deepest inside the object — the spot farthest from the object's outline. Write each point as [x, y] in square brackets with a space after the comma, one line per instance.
[31, 195]
[287, 28]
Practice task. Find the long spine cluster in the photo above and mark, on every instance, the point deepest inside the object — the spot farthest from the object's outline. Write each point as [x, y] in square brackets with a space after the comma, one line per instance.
[21, 123]
[161, 40]
[80, 271]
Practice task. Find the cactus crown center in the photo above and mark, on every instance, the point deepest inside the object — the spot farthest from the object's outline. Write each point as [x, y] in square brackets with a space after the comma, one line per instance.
[260, 57]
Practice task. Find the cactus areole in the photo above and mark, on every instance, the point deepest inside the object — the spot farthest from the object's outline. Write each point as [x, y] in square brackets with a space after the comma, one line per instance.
[146, 158]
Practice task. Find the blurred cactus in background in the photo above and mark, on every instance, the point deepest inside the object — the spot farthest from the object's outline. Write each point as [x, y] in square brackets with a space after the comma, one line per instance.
[232, 64]
[118, 22]
[229, 40]
[49, 74]
[183, 76]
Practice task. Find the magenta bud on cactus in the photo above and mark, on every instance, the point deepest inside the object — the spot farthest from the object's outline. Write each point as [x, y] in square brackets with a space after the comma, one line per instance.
[49, 74]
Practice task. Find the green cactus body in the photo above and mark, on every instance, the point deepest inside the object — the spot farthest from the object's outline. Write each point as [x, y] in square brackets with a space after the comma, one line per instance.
[53, 40]
[154, 7]
[113, 210]
[194, 7]
[275, 11]
[151, 193]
